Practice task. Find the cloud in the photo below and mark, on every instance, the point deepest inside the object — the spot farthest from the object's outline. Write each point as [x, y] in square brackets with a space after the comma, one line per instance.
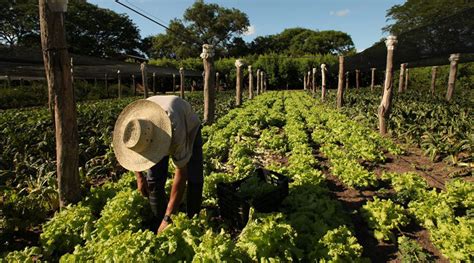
[250, 31]
[340, 13]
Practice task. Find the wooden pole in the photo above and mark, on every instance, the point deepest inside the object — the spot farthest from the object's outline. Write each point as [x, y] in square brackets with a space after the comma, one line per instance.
[304, 82]
[313, 81]
[357, 78]
[258, 81]
[340, 83]
[174, 83]
[207, 56]
[347, 80]
[119, 84]
[217, 82]
[386, 103]
[106, 84]
[250, 82]
[181, 82]
[372, 81]
[58, 74]
[323, 82]
[401, 78]
[144, 79]
[434, 71]
[134, 86]
[453, 68]
[264, 77]
[407, 77]
[308, 86]
[154, 83]
[238, 82]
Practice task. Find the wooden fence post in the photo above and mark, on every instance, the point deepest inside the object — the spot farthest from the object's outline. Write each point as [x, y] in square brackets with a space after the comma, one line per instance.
[181, 82]
[174, 83]
[434, 71]
[323, 82]
[119, 84]
[106, 84]
[258, 82]
[264, 81]
[454, 58]
[207, 56]
[58, 74]
[357, 78]
[134, 85]
[144, 79]
[238, 82]
[154, 84]
[250, 82]
[372, 81]
[401, 78]
[308, 86]
[407, 77]
[347, 80]
[386, 103]
[217, 82]
[340, 83]
[304, 82]
[314, 81]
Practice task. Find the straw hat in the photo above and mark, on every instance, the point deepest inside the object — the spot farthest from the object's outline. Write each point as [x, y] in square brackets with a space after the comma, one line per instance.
[142, 135]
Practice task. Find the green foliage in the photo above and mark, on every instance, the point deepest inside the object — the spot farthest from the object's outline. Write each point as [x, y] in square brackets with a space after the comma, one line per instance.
[66, 229]
[383, 216]
[341, 245]
[410, 251]
[27, 255]
[217, 248]
[454, 239]
[408, 186]
[254, 187]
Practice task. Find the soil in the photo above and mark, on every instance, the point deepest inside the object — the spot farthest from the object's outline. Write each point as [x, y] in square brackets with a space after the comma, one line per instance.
[436, 175]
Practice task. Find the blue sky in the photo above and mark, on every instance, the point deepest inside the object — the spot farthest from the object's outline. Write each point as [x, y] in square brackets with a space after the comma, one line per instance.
[361, 19]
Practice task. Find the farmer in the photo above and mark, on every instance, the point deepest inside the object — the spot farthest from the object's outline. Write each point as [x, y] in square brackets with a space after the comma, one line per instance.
[147, 133]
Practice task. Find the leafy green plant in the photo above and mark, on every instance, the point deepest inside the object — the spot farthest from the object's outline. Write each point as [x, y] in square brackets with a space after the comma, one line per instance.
[410, 251]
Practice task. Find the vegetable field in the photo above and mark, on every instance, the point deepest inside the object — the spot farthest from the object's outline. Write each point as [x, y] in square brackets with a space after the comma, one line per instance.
[318, 148]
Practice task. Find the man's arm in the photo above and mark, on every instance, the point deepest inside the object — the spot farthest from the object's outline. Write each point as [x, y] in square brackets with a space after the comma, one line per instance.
[142, 185]
[177, 191]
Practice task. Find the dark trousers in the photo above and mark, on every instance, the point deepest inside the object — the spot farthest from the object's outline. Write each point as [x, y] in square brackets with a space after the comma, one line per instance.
[156, 179]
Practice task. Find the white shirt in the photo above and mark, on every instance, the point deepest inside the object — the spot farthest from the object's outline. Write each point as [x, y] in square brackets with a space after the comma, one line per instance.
[185, 125]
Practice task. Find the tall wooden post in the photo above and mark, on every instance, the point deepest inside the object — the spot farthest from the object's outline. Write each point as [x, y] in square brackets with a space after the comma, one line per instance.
[372, 81]
[250, 82]
[323, 82]
[401, 78]
[264, 77]
[238, 82]
[262, 81]
[357, 78]
[313, 88]
[144, 79]
[454, 58]
[134, 85]
[347, 80]
[119, 84]
[203, 80]
[304, 82]
[407, 77]
[207, 56]
[174, 83]
[58, 74]
[434, 71]
[154, 83]
[106, 79]
[340, 83]
[386, 103]
[258, 81]
[217, 82]
[308, 86]
[181, 82]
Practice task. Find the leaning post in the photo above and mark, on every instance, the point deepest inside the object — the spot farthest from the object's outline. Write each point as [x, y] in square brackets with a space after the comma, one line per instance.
[217, 82]
[134, 85]
[154, 83]
[207, 56]
[250, 82]
[372, 81]
[347, 80]
[340, 83]
[401, 78]
[144, 79]
[407, 77]
[304, 82]
[323, 81]
[238, 82]
[174, 83]
[181, 82]
[454, 58]
[313, 88]
[119, 84]
[357, 78]
[386, 103]
[434, 71]
[264, 77]
[258, 82]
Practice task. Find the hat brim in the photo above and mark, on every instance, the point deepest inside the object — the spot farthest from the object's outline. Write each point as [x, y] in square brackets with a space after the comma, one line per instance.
[159, 145]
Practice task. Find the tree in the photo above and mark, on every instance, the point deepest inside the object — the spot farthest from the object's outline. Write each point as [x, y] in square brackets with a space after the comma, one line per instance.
[203, 24]
[416, 13]
[19, 21]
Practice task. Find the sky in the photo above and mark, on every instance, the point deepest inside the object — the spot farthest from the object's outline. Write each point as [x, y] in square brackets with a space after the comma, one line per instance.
[361, 19]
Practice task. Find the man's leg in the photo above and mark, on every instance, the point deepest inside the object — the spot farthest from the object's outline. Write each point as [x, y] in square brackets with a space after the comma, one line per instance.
[156, 179]
[195, 178]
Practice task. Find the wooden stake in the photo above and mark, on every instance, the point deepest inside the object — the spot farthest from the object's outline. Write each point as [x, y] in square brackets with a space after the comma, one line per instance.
[174, 83]
[454, 58]
[58, 74]
[372, 81]
[401, 78]
[106, 84]
[207, 56]
[434, 71]
[154, 84]
[134, 86]
[119, 84]
[238, 82]
[304, 82]
[347, 80]
[340, 83]
[181, 82]
[323, 81]
[386, 103]
[144, 79]
[217, 82]
[313, 81]
[264, 77]
[357, 78]
[258, 81]
[407, 77]
[250, 82]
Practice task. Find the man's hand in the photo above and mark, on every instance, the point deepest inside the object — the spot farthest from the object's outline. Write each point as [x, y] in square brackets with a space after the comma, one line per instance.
[142, 185]
[163, 226]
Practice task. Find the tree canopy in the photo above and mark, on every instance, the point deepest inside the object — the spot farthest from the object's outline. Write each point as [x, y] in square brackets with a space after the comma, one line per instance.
[416, 13]
[90, 30]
